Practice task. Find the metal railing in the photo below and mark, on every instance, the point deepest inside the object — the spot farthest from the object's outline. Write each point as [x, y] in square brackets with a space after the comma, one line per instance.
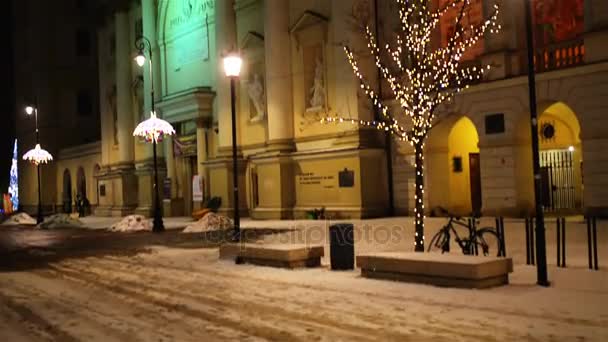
[560, 55]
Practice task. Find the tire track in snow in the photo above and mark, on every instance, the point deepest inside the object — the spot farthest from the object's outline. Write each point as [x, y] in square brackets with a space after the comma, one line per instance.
[240, 301]
[38, 322]
[162, 300]
[379, 321]
[67, 306]
[453, 326]
[212, 269]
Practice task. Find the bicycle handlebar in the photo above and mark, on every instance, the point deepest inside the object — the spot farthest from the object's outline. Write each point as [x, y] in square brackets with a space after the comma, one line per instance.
[443, 211]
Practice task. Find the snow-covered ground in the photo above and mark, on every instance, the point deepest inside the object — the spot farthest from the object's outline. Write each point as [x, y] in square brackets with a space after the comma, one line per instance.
[189, 295]
[178, 294]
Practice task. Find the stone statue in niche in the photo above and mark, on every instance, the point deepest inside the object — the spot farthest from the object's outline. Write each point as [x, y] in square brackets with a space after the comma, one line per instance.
[255, 89]
[317, 92]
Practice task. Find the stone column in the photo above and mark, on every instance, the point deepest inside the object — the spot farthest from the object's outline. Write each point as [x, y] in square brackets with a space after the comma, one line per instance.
[225, 37]
[123, 88]
[105, 109]
[278, 75]
[201, 156]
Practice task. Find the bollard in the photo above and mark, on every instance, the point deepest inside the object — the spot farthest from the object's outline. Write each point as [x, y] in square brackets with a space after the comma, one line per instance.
[592, 243]
[530, 241]
[527, 241]
[561, 242]
[503, 239]
[500, 231]
[474, 227]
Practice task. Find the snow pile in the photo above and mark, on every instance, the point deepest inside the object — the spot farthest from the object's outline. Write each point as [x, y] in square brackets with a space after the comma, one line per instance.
[19, 219]
[210, 222]
[61, 221]
[132, 223]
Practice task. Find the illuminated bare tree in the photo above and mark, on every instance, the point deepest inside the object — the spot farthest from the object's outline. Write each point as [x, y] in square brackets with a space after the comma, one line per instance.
[421, 77]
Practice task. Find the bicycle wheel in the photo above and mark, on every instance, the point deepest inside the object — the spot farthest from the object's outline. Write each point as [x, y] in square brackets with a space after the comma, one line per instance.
[488, 242]
[437, 241]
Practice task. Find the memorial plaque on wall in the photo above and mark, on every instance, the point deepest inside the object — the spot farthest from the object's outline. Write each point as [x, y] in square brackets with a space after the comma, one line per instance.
[314, 180]
[346, 178]
[102, 190]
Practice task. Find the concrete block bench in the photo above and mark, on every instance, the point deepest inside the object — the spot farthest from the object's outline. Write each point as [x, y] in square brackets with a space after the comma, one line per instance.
[274, 255]
[447, 270]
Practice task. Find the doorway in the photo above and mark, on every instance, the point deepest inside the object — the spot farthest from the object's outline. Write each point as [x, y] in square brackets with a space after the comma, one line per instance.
[558, 180]
[560, 160]
[452, 166]
[187, 169]
[475, 180]
[67, 192]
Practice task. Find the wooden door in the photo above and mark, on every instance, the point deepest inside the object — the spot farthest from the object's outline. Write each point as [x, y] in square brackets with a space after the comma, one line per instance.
[475, 180]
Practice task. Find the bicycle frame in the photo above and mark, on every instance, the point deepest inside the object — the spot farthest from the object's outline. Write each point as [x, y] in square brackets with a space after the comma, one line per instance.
[449, 227]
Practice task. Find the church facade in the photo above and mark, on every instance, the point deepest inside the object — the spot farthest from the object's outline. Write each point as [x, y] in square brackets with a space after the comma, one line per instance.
[478, 157]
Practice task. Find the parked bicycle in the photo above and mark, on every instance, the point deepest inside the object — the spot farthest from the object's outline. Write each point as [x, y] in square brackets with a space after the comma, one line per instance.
[483, 240]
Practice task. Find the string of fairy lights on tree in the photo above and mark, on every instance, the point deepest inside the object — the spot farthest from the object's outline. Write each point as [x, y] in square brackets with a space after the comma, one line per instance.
[421, 76]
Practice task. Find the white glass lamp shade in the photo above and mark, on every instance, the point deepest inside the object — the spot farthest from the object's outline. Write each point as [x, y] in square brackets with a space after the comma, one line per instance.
[140, 59]
[153, 129]
[37, 156]
[29, 110]
[232, 65]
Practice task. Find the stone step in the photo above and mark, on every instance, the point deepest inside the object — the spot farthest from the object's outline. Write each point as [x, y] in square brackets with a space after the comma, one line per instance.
[274, 255]
[447, 270]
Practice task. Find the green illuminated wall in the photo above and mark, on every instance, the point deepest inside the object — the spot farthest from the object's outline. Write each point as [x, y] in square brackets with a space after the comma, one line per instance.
[187, 44]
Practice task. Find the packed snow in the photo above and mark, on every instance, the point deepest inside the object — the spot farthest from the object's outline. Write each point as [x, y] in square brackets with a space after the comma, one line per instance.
[60, 221]
[132, 223]
[210, 222]
[19, 219]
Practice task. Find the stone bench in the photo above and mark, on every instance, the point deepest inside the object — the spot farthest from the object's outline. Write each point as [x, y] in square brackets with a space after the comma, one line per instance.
[274, 255]
[447, 270]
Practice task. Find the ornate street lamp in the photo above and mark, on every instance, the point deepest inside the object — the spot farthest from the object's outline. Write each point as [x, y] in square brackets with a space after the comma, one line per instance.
[37, 156]
[232, 67]
[153, 129]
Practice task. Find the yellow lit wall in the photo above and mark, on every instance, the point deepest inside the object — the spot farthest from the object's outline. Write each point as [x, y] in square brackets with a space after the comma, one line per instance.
[463, 139]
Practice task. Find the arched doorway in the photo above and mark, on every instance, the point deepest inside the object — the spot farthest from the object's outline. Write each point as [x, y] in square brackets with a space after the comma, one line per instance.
[561, 159]
[453, 167]
[67, 192]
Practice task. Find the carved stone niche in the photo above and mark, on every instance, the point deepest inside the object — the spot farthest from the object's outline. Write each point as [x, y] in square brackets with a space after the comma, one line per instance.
[309, 33]
[253, 76]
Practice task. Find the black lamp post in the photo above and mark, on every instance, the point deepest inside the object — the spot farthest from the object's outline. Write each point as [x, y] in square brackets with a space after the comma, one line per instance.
[541, 252]
[232, 67]
[33, 109]
[152, 129]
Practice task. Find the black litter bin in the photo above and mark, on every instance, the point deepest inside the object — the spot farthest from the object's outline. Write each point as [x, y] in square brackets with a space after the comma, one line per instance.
[341, 246]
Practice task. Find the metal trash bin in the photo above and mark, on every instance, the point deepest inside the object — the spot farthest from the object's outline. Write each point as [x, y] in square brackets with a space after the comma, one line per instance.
[341, 246]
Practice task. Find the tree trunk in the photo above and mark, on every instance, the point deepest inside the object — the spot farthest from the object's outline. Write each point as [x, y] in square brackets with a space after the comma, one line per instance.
[419, 198]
